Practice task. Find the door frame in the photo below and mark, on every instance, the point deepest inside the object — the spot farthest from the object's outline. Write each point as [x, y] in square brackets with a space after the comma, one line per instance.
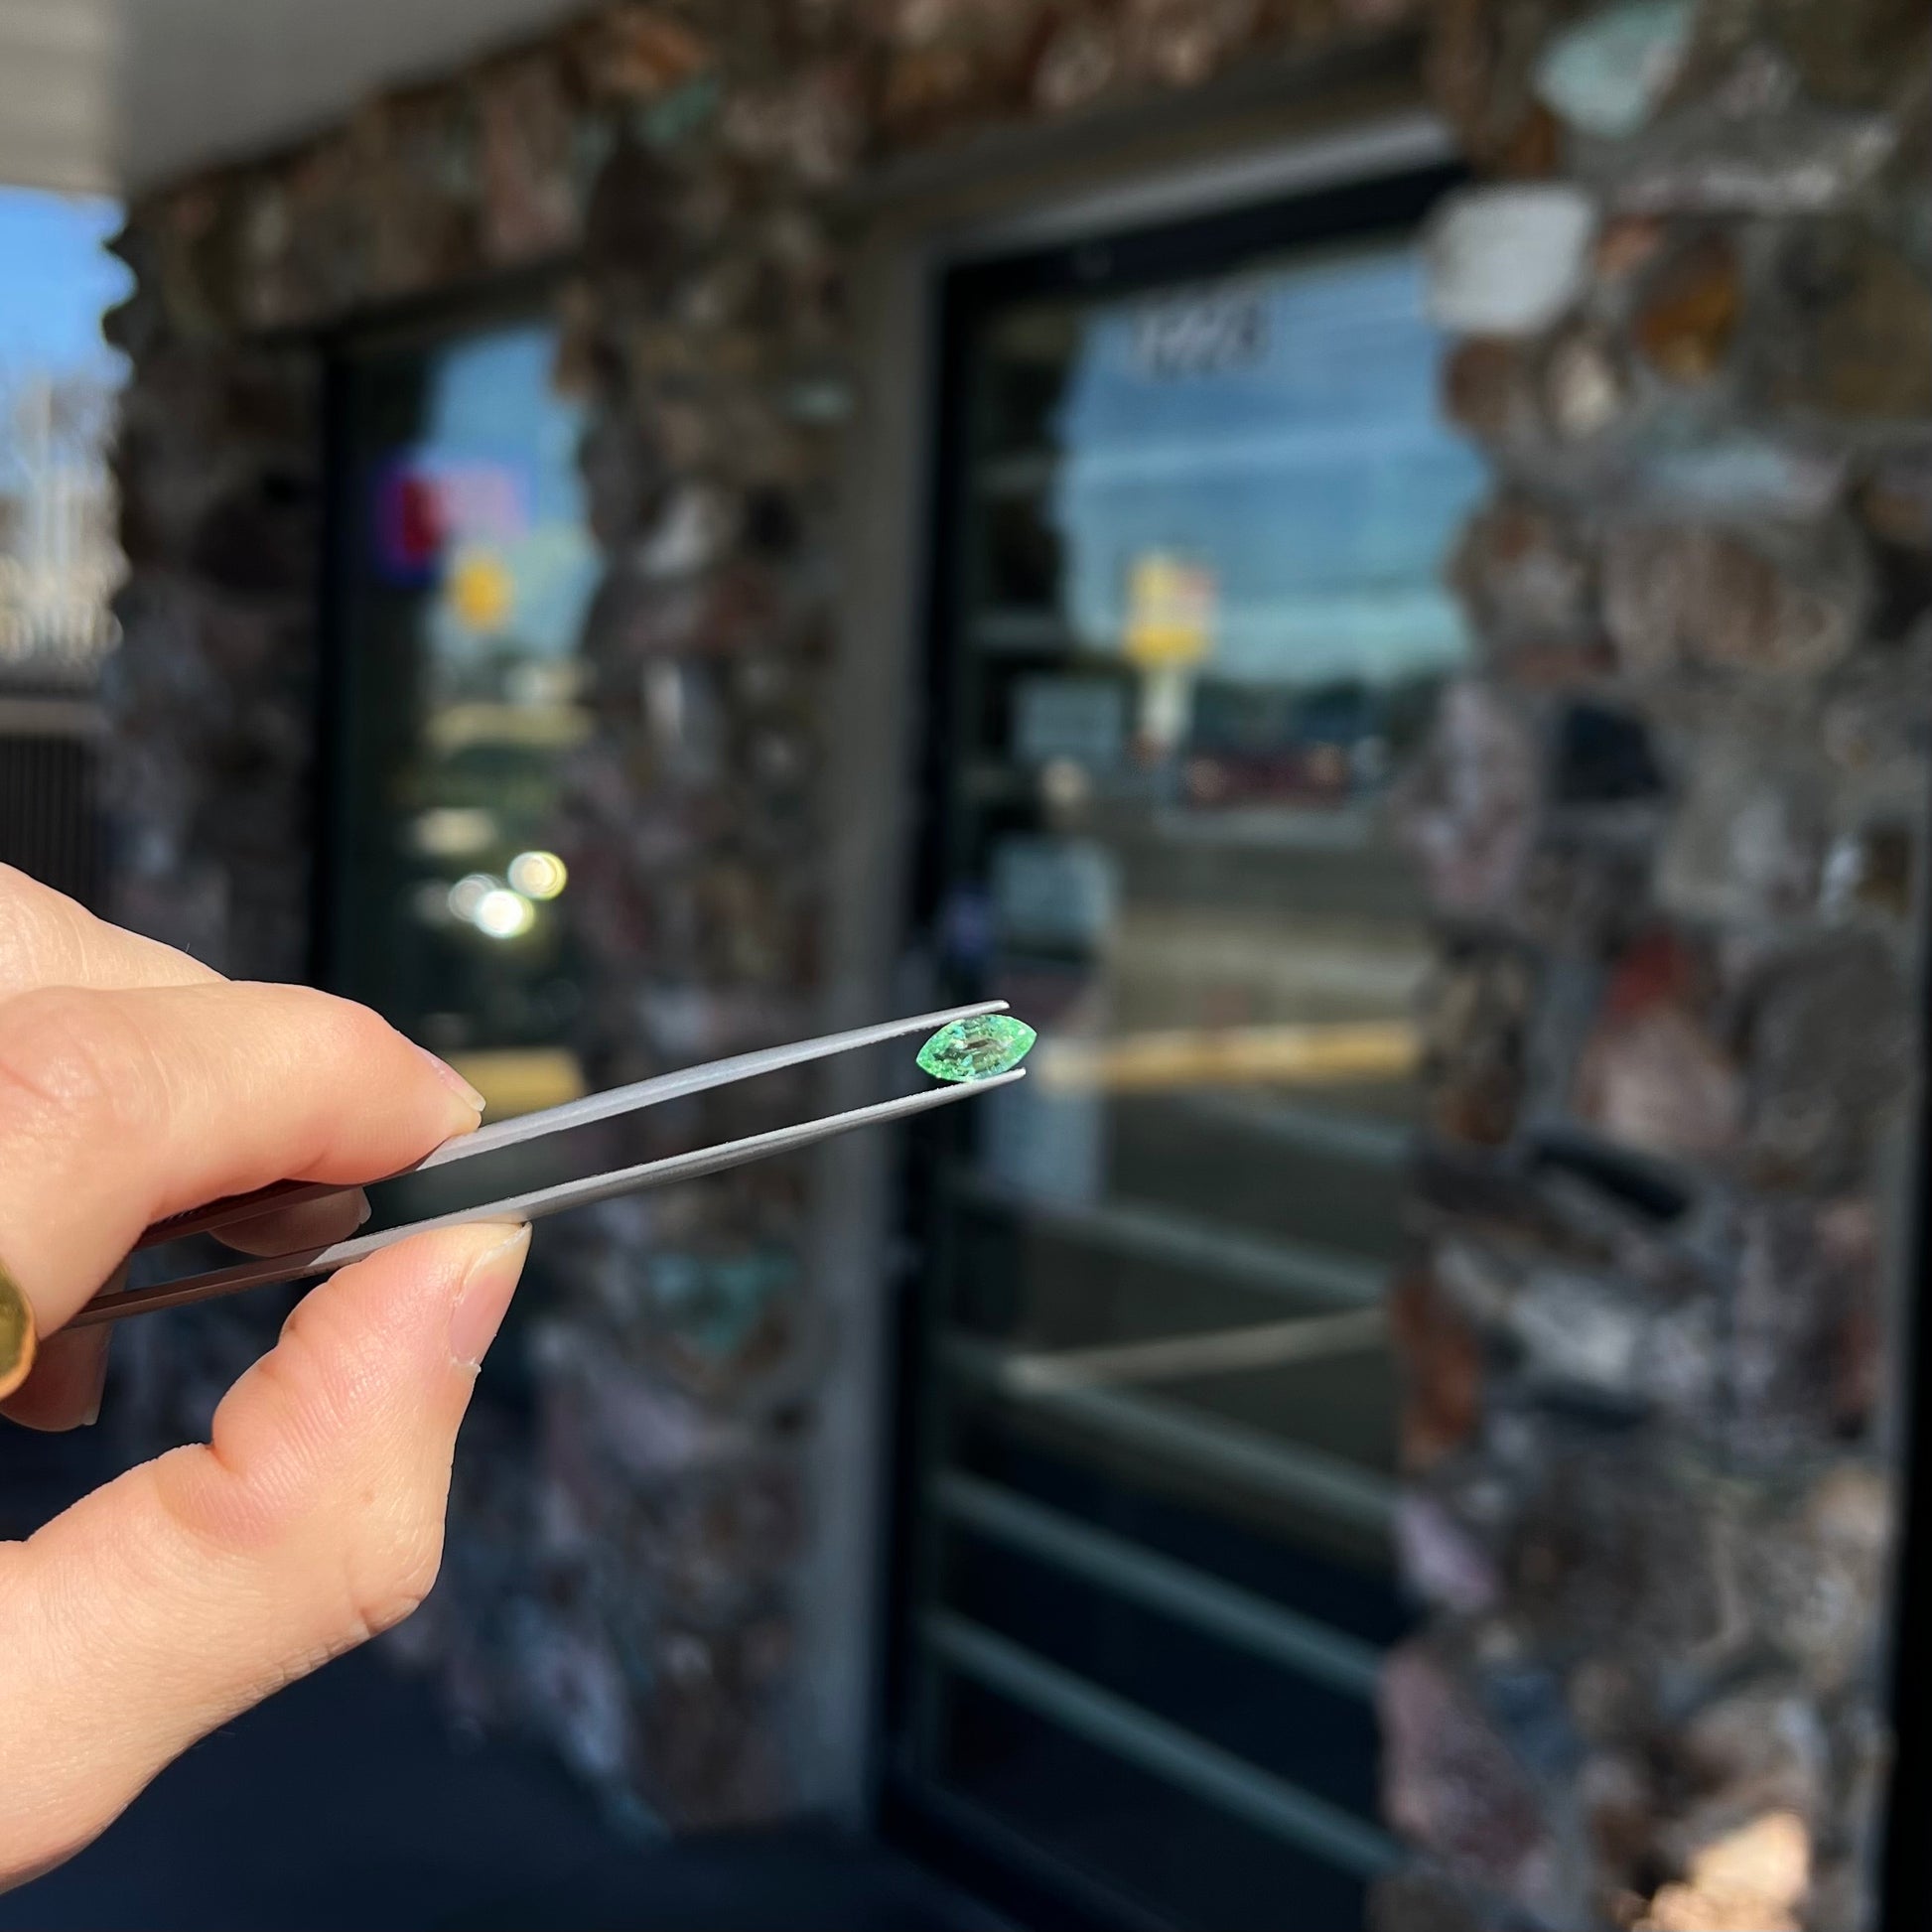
[1377, 171]
[417, 320]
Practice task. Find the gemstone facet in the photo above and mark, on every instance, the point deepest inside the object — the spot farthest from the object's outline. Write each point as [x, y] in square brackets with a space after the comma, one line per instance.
[977, 1049]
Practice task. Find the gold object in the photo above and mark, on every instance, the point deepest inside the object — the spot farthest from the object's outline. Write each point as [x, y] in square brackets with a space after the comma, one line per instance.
[18, 1341]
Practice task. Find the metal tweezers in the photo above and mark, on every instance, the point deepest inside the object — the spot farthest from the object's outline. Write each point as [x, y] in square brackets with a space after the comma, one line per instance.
[111, 1304]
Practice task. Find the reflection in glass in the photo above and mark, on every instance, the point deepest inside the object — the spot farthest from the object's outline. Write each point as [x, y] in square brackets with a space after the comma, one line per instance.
[466, 591]
[1198, 619]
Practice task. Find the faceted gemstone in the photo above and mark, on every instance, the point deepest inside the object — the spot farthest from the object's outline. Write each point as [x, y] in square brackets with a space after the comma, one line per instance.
[977, 1048]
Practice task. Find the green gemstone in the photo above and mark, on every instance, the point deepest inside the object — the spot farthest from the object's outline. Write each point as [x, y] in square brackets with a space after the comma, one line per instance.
[977, 1049]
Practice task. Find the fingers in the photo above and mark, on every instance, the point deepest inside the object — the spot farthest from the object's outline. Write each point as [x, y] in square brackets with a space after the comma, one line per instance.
[119, 1108]
[180, 1594]
[46, 939]
[287, 1230]
[65, 1388]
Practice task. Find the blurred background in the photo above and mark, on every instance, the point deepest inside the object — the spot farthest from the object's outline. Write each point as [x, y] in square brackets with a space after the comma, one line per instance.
[1367, 567]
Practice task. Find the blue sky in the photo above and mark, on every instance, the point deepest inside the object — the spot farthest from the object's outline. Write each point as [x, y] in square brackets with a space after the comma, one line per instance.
[56, 280]
[1315, 480]
[493, 401]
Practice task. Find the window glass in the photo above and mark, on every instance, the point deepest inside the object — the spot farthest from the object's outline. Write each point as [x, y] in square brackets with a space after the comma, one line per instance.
[1192, 591]
[470, 570]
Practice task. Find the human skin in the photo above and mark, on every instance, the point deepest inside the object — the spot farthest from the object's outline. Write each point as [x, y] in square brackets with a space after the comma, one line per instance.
[135, 1082]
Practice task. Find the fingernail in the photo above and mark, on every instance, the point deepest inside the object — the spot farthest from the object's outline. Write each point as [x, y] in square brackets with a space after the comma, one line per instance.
[93, 1414]
[455, 1082]
[111, 1285]
[485, 1298]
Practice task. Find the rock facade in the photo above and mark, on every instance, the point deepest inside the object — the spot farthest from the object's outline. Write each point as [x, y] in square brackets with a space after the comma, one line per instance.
[1671, 824]
[622, 1564]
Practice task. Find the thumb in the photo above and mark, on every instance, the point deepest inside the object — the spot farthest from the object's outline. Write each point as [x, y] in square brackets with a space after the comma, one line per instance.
[190, 1587]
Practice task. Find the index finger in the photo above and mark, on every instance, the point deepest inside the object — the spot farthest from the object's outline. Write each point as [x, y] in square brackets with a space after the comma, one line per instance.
[46, 939]
[120, 1108]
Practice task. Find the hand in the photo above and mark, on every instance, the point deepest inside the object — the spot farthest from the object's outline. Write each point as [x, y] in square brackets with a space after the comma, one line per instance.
[134, 1083]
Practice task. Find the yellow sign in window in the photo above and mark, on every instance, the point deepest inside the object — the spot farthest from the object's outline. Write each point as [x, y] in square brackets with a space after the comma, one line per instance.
[1169, 610]
[522, 1080]
[480, 590]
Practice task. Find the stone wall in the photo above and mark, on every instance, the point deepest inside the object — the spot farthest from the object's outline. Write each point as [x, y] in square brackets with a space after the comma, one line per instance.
[1670, 823]
[1672, 830]
[624, 1580]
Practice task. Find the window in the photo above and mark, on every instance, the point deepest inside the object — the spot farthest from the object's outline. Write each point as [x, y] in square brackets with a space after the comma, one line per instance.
[465, 567]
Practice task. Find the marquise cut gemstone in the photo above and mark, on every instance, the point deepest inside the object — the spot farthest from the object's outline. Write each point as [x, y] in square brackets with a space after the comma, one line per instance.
[977, 1049]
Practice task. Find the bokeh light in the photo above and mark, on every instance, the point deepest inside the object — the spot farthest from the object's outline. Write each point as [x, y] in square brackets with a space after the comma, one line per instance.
[504, 915]
[470, 892]
[538, 874]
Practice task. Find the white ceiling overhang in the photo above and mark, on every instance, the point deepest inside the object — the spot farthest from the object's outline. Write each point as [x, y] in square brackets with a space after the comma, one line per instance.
[120, 95]
[56, 93]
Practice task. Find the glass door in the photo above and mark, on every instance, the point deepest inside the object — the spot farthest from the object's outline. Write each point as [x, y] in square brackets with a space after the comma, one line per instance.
[1193, 505]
